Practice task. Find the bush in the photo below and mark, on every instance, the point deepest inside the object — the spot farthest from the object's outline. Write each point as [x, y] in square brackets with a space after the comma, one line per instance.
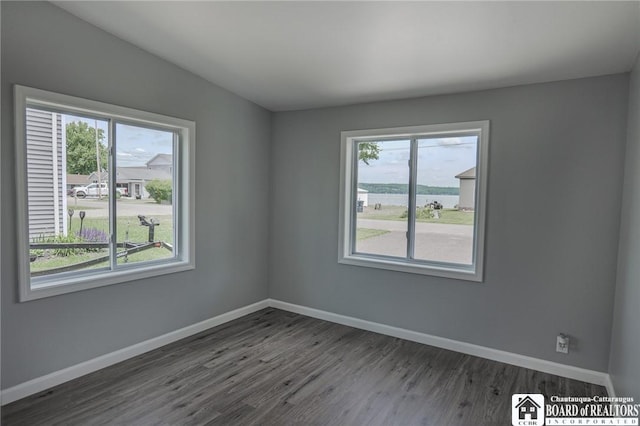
[421, 213]
[159, 190]
[62, 239]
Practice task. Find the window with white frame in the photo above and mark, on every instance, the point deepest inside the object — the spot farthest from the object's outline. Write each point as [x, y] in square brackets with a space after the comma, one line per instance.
[105, 193]
[413, 199]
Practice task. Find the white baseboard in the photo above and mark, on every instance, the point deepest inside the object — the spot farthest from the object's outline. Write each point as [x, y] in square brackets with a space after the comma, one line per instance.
[58, 377]
[61, 376]
[589, 376]
[609, 385]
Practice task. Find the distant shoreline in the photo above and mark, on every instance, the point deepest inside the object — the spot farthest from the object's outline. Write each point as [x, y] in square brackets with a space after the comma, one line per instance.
[400, 188]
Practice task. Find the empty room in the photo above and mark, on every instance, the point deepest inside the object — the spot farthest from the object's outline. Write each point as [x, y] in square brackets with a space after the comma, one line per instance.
[320, 213]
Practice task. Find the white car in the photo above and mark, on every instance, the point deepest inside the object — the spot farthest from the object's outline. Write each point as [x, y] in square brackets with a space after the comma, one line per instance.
[91, 190]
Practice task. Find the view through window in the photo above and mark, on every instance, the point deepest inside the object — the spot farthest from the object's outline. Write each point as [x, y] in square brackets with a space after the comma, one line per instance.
[413, 199]
[68, 174]
[101, 193]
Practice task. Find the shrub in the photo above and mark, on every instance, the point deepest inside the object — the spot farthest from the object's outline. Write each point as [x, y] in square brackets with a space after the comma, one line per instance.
[65, 239]
[36, 252]
[421, 213]
[159, 190]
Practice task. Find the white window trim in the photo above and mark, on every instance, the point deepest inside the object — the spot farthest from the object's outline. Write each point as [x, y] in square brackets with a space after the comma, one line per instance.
[185, 209]
[347, 213]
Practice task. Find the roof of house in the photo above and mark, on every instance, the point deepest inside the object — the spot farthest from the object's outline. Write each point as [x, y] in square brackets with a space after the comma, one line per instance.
[467, 174]
[140, 173]
[77, 179]
[129, 174]
[161, 159]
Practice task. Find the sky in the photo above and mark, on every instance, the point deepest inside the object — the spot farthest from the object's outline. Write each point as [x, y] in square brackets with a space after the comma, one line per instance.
[134, 145]
[439, 161]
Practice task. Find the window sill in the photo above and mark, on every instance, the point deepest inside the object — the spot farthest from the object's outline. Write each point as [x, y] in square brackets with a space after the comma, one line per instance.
[459, 273]
[63, 285]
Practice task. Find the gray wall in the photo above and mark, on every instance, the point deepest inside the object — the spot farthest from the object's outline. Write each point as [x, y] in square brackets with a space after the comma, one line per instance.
[47, 48]
[555, 179]
[624, 364]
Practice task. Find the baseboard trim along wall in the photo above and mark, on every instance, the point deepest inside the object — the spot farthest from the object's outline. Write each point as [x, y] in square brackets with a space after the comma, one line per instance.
[56, 378]
[571, 372]
[61, 376]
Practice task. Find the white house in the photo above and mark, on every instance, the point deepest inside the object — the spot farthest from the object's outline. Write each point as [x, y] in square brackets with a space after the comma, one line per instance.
[363, 195]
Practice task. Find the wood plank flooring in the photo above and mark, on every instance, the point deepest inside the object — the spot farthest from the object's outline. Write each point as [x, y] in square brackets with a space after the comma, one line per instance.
[279, 368]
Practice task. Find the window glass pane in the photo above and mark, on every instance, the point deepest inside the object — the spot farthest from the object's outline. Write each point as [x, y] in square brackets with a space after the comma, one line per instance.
[382, 198]
[144, 198]
[68, 210]
[445, 199]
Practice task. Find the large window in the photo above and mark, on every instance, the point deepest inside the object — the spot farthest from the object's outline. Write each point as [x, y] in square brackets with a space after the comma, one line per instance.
[105, 193]
[413, 199]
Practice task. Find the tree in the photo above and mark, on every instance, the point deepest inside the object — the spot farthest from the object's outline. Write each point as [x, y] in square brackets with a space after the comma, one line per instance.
[81, 148]
[368, 151]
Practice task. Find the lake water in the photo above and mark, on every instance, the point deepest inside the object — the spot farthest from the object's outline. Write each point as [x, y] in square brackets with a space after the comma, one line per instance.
[448, 201]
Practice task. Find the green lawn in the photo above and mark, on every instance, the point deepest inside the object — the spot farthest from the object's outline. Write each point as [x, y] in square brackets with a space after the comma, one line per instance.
[447, 216]
[77, 208]
[49, 262]
[364, 233]
[128, 229]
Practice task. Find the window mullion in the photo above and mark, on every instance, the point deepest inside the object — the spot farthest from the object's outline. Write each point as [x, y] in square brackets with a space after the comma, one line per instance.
[113, 248]
[411, 209]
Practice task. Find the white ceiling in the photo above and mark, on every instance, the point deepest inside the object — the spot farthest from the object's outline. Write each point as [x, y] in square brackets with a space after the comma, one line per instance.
[296, 55]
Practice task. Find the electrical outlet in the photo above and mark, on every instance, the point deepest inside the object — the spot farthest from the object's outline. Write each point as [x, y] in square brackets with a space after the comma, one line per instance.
[562, 343]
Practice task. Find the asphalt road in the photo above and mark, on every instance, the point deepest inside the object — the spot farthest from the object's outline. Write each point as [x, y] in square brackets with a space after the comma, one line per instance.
[124, 207]
[434, 241]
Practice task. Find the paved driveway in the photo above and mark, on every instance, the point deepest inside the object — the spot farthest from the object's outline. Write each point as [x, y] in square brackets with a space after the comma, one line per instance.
[434, 241]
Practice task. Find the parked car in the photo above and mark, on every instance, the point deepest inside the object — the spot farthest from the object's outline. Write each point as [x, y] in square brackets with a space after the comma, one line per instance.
[91, 190]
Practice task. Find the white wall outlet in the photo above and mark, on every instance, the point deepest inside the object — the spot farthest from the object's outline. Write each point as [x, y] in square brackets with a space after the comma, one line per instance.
[562, 343]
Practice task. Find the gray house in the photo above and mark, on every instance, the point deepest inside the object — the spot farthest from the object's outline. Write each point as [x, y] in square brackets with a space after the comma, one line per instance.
[133, 179]
[161, 162]
[46, 173]
[76, 180]
[467, 200]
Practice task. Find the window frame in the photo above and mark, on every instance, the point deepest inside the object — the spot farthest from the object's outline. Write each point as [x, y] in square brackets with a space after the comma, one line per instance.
[184, 193]
[348, 190]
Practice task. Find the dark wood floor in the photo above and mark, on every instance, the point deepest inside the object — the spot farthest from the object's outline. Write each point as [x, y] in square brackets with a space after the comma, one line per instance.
[278, 368]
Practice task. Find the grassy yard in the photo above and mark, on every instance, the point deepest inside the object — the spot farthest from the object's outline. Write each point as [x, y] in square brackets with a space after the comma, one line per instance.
[364, 233]
[447, 216]
[79, 206]
[128, 229]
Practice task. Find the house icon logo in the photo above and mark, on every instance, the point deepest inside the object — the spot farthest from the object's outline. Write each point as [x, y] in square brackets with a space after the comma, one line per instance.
[527, 409]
